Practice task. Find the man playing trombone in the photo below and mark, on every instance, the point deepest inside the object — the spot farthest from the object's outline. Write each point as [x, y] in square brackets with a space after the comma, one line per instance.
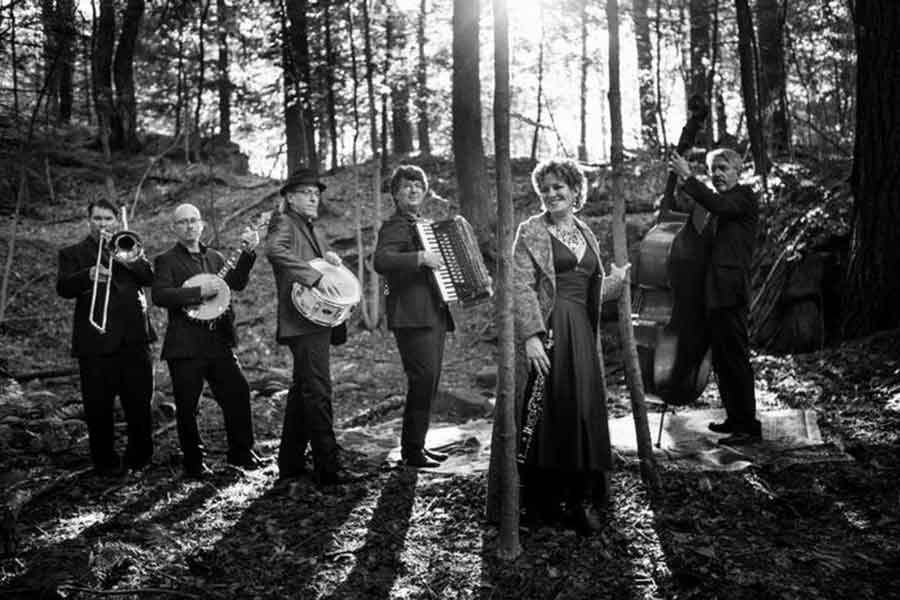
[111, 336]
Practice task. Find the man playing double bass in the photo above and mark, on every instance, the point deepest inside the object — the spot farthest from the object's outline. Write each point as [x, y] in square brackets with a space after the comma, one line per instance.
[734, 215]
[292, 242]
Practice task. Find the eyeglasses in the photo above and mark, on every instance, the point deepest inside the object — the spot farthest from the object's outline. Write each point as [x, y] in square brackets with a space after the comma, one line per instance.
[305, 191]
[186, 222]
[409, 186]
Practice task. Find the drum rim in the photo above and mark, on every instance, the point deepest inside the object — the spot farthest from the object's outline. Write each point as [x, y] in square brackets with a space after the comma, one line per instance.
[316, 263]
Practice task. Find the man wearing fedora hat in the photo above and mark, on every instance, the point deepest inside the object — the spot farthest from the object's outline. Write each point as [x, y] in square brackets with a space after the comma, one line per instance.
[293, 241]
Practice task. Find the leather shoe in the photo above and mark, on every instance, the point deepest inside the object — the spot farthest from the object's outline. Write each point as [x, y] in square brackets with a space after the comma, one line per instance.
[420, 461]
[740, 438]
[435, 455]
[723, 427]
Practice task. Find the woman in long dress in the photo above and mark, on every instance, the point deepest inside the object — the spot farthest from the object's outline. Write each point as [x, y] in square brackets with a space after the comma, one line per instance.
[559, 286]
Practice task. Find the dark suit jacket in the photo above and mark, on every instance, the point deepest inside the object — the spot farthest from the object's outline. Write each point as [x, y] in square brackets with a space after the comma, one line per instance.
[127, 321]
[736, 215]
[292, 241]
[413, 299]
[186, 338]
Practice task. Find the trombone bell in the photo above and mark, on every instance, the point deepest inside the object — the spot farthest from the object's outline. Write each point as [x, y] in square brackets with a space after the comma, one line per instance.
[124, 247]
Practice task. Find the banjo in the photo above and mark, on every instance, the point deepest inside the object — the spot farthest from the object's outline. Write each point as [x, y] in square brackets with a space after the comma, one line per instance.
[212, 308]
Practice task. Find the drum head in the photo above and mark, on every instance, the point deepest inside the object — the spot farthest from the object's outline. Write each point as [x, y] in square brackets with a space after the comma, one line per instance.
[346, 281]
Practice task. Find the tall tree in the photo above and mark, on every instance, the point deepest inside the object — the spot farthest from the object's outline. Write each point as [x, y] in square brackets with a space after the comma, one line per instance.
[539, 99]
[223, 13]
[51, 56]
[582, 100]
[773, 88]
[620, 251]
[872, 287]
[422, 96]
[298, 35]
[104, 41]
[125, 123]
[65, 11]
[748, 85]
[649, 132]
[700, 58]
[468, 149]
[330, 82]
[504, 476]
[401, 125]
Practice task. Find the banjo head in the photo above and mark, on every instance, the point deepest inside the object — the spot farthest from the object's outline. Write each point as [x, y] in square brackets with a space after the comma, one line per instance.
[212, 308]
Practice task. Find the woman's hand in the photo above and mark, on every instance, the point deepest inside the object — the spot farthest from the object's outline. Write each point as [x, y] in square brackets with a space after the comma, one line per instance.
[619, 272]
[537, 356]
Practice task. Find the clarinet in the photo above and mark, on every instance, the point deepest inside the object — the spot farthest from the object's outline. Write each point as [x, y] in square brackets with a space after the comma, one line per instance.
[534, 407]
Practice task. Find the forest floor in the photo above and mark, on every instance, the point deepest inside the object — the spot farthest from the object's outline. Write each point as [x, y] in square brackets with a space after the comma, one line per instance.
[796, 530]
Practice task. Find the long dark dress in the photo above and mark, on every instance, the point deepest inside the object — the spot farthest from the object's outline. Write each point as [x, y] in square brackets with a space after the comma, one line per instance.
[572, 437]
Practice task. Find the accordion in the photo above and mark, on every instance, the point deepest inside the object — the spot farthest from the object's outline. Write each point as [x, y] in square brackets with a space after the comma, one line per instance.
[463, 278]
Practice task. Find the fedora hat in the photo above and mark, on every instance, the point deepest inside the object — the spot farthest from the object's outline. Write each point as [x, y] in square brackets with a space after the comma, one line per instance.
[302, 176]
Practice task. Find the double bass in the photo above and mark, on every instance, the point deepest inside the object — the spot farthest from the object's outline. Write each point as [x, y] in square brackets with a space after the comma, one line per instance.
[668, 309]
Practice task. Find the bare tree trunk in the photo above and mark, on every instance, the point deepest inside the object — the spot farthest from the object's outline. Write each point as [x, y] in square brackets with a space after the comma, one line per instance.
[374, 304]
[354, 70]
[504, 473]
[201, 76]
[123, 73]
[659, 111]
[385, 84]
[748, 86]
[104, 38]
[626, 331]
[50, 26]
[649, 133]
[15, 61]
[400, 87]
[535, 138]
[299, 48]
[223, 12]
[468, 151]
[370, 79]
[422, 84]
[180, 88]
[872, 285]
[773, 91]
[700, 51]
[293, 123]
[585, 63]
[330, 83]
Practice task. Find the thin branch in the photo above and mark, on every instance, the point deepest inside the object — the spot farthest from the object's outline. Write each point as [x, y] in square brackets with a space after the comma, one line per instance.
[126, 591]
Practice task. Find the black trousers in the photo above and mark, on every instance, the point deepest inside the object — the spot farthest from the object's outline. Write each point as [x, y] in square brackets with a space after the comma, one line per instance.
[422, 352]
[308, 416]
[127, 374]
[730, 343]
[232, 393]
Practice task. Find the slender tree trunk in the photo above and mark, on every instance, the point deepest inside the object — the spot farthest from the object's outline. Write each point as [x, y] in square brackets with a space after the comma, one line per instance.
[15, 61]
[385, 84]
[374, 304]
[649, 133]
[65, 10]
[330, 83]
[293, 123]
[201, 76]
[536, 137]
[123, 73]
[748, 86]
[104, 38]
[700, 51]
[773, 91]
[299, 45]
[503, 471]
[370, 79]
[468, 151]
[620, 250]
[354, 72]
[585, 64]
[711, 75]
[400, 87]
[50, 26]
[872, 285]
[659, 110]
[223, 12]
[180, 91]
[422, 93]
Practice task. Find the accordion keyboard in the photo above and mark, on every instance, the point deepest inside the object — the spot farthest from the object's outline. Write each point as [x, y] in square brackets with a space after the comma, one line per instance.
[463, 278]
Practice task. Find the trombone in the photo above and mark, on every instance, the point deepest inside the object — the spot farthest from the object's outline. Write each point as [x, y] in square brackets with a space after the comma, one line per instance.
[124, 246]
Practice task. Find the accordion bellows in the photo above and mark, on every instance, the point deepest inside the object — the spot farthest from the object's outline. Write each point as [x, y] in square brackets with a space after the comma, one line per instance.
[463, 278]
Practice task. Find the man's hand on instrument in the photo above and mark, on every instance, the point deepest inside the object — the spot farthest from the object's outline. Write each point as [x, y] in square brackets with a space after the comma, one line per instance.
[332, 258]
[679, 165]
[249, 239]
[432, 260]
[619, 272]
[329, 284]
[537, 356]
[208, 290]
[100, 274]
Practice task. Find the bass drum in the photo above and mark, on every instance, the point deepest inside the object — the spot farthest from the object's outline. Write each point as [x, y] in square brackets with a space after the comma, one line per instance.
[324, 309]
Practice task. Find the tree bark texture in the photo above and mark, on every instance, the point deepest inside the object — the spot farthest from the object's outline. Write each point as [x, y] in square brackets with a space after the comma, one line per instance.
[626, 330]
[330, 82]
[468, 150]
[123, 74]
[748, 85]
[700, 59]
[104, 39]
[646, 92]
[401, 125]
[298, 35]
[873, 284]
[65, 10]
[422, 96]
[503, 480]
[582, 100]
[50, 26]
[223, 12]
[201, 75]
[293, 128]
[773, 89]
[536, 136]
